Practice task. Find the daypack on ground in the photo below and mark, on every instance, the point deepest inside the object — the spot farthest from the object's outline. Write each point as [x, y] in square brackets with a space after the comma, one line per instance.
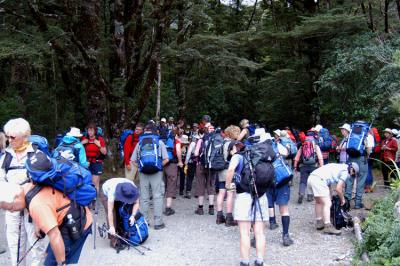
[139, 232]
[257, 168]
[149, 158]
[67, 151]
[339, 214]
[66, 176]
[325, 140]
[356, 144]
[308, 153]
[122, 139]
[215, 153]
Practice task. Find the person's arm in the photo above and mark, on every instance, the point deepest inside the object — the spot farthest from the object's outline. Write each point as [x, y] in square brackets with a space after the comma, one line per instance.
[242, 134]
[297, 158]
[135, 209]
[179, 154]
[164, 153]
[198, 146]
[339, 190]
[134, 157]
[393, 145]
[110, 216]
[102, 146]
[230, 173]
[127, 151]
[57, 245]
[319, 155]
[82, 156]
[189, 152]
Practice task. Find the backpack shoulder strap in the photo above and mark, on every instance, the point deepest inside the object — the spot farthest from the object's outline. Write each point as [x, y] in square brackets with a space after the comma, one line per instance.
[7, 162]
[31, 194]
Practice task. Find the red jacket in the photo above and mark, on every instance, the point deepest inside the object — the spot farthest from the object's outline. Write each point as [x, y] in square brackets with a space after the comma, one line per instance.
[389, 154]
[129, 145]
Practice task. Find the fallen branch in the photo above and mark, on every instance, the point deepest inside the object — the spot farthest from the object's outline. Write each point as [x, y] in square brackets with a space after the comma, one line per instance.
[358, 233]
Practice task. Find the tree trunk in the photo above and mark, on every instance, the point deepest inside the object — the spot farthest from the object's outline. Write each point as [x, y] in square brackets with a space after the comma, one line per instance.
[371, 18]
[158, 109]
[398, 8]
[386, 16]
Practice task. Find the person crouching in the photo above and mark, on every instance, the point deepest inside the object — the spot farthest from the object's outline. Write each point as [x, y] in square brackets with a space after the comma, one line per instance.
[319, 182]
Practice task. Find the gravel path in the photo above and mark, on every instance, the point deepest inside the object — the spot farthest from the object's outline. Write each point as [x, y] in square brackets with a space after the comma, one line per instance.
[189, 239]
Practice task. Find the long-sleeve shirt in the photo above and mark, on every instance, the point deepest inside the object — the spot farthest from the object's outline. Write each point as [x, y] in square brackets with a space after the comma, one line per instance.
[389, 153]
[129, 146]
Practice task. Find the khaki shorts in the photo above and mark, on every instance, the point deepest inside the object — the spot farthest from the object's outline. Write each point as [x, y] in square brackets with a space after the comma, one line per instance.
[318, 186]
[243, 210]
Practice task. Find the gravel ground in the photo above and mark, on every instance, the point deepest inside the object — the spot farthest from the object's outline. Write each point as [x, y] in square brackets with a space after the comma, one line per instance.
[189, 239]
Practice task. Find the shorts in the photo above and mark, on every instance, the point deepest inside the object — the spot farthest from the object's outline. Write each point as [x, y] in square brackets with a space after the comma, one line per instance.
[221, 185]
[171, 179]
[279, 196]
[318, 186]
[96, 168]
[244, 210]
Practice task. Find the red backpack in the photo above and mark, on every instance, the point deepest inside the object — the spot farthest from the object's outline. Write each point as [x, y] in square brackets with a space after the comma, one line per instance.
[308, 154]
[377, 140]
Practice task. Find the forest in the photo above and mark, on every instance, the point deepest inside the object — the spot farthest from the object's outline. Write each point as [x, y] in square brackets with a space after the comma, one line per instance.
[275, 62]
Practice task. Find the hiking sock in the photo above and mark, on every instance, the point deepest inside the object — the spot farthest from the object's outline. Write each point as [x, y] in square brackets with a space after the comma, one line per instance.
[285, 224]
[272, 220]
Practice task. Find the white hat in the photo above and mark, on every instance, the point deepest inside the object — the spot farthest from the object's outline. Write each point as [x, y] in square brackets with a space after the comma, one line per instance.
[260, 132]
[388, 130]
[8, 191]
[164, 120]
[395, 132]
[74, 132]
[184, 139]
[284, 133]
[277, 132]
[345, 126]
[318, 128]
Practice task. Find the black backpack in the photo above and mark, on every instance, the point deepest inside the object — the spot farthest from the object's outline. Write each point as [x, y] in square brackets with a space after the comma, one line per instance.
[215, 159]
[339, 214]
[258, 172]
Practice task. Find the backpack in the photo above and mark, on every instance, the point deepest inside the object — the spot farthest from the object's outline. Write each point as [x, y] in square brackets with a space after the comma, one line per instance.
[99, 132]
[308, 153]
[292, 147]
[67, 151]
[124, 135]
[252, 129]
[58, 140]
[356, 143]
[334, 144]
[283, 172]
[257, 173]
[69, 177]
[139, 232]
[215, 153]
[170, 145]
[325, 140]
[339, 214]
[38, 143]
[149, 158]
[377, 140]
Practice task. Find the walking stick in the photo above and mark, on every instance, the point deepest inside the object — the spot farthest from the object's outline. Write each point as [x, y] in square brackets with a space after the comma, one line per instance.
[21, 216]
[27, 252]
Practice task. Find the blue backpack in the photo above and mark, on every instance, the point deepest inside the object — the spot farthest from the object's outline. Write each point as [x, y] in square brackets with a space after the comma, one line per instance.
[325, 140]
[122, 139]
[139, 232]
[67, 151]
[169, 144]
[58, 140]
[149, 159]
[283, 172]
[252, 129]
[68, 177]
[99, 132]
[293, 148]
[355, 145]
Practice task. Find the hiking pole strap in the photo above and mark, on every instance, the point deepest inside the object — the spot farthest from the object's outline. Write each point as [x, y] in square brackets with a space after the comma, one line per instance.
[27, 252]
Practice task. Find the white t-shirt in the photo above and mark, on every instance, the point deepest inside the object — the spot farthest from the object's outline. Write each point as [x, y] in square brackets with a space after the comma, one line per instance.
[331, 173]
[111, 184]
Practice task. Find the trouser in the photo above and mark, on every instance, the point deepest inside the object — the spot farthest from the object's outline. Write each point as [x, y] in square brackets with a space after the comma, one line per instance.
[27, 238]
[133, 173]
[154, 182]
[189, 178]
[305, 171]
[370, 176]
[361, 177]
[387, 167]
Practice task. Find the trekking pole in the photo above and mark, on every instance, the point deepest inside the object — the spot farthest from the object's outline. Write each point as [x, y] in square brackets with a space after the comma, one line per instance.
[96, 212]
[27, 252]
[21, 216]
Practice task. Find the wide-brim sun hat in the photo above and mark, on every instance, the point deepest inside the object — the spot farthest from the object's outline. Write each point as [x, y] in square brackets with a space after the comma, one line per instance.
[388, 130]
[164, 120]
[74, 132]
[318, 128]
[346, 126]
[126, 193]
[277, 132]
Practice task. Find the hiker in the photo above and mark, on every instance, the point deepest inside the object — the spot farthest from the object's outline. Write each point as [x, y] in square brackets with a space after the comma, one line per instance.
[341, 148]
[150, 155]
[131, 170]
[174, 150]
[3, 145]
[389, 150]
[95, 148]
[319, 182]
[245, 133]
[171, 126]
[116, 192]
[48, 209]
[190, 165]
[307, 158]
[358, 150]
[20, 232]
[376, 154]
[250, 207]
[231, 135]
[71, 148]
[396, 135]
[163, 129]
[204, 181]
[321, 141]
[183, 178]
[194, 131]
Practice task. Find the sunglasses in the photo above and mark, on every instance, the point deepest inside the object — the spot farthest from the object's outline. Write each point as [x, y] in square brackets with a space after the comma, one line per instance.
[11, 137]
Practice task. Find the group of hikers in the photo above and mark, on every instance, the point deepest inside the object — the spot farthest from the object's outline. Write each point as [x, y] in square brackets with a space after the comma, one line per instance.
[244, 171]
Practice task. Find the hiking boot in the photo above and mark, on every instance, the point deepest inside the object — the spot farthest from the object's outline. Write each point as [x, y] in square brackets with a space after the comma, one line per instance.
[181, 193]
[258, 263]
[358, 206]
[169, 211]
[199, 211]
[287, 241]
[220, 219]
[330, 230]
[320, 224]
[300, 200]
[211, 210]
[310, 197]
[244, 264]
[188, 195]
[230, 221]
[159, 227]
[273, 226]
